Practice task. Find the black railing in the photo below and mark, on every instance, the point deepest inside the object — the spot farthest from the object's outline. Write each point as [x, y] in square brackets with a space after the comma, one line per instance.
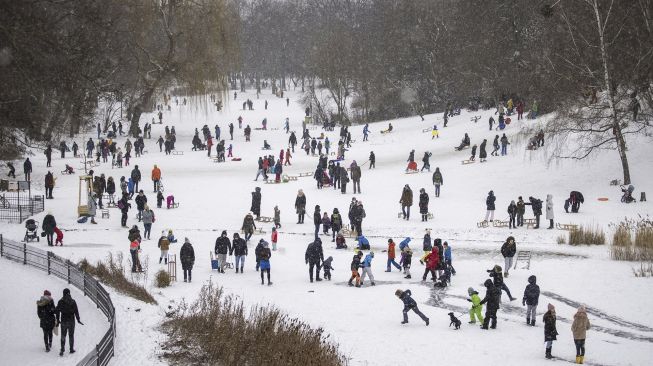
[70, 272]
[16, 208]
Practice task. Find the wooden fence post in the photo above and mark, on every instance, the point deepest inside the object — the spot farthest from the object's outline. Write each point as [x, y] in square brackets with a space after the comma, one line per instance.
[49, 256]
[68, 266]
[24, 253]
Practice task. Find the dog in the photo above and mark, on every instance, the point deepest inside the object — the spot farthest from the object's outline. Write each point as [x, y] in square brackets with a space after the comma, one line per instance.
[454, 321]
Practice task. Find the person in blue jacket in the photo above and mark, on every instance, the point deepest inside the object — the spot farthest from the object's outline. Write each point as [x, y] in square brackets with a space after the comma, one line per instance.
[367, 268]
[410, 304]
[363, 243]
[447, 257]
[366, 131]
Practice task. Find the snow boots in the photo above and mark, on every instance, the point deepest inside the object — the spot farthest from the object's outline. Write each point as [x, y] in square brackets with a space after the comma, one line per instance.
[548, 353]
[580, 359]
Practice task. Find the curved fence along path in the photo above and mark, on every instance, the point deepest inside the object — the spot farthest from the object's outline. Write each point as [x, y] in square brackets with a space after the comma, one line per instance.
[70, 272]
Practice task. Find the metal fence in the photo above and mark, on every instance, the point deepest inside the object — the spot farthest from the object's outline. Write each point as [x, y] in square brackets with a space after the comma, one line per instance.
[70, 272]
[16, 208]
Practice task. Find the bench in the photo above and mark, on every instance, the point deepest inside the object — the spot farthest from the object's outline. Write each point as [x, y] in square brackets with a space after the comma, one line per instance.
[105, 213]
[177, 152]
[524, 256]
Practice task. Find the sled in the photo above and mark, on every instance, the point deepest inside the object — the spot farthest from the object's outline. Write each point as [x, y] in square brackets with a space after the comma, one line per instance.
[272, 181]
[482, 224]
[475, 119]
[568, 227]
[385, 131]
[332, 153]
[462, 148]
[427, 129]
[236, 159]
[174, 205]
[290, 177]
[177, 152]
[215, 264]
[500, 223]
[529, 221]
[105, 213]
[264, 219]
[525, 257]
[217, 160]
[429, 215]
[465, 162]
[306, 174]
[412, 171]
[603, 199]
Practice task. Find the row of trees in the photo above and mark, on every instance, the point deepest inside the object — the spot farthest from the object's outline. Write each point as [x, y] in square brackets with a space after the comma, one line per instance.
[60, 59]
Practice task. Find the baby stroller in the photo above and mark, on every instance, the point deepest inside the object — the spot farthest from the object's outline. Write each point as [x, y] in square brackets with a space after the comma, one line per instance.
[31, 232]
[628, 194]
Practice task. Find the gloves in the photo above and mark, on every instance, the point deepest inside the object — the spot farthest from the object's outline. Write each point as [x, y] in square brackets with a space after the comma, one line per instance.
[469, 300]
[80, 322]
[523, 303]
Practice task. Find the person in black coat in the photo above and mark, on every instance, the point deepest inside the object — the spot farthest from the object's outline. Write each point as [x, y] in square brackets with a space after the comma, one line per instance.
[531, 298]
[46, 312]
[423, 204]
[124, 206]
[314, 255]
[344, 179]
[497, 278]
[239, 249]
[136, 177]
[48, 225]
[66, 313]
[536, 205]
[256, 202]
[48, 156]
[550, 331]
[492, 299]
[27, 169]
[372, 160]
[222, 247]
[490, 206]
[482, 154]
[187, 257]
[508, 250]
[317, 220]
[140, 200]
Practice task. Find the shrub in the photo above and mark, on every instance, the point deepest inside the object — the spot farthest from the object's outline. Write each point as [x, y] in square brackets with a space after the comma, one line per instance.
[587, 236]
[162, 279]
[622, 236]
[561, 239]
[216, 330]
[644, 270]
[112, 273]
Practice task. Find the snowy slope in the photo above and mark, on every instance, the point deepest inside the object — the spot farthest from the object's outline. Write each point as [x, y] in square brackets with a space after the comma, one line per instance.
[215, 197]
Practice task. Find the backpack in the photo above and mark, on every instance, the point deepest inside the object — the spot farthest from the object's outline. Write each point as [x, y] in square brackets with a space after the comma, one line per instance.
[121, 205]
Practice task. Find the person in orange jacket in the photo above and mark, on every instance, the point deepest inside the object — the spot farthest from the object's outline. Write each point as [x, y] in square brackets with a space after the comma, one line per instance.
[156, 178]
[391, 256]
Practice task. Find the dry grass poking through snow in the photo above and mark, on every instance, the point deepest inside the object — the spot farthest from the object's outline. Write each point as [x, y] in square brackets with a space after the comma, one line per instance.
[641, 249]
[587, 236]
[112, 273]
[216, 330]
[162, 279]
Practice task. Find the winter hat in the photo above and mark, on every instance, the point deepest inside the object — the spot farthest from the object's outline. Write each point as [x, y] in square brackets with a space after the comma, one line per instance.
[470, 291]
[224, 232]
[186, 240]
[550, 307]
[66, 291]
[582, 309]
[47, 293]
[497, 268]
[398, 293]
[389, 240]
[512, 202]
[372, 254]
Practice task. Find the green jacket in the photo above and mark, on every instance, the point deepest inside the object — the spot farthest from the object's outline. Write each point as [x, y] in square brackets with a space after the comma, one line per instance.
[476, 301]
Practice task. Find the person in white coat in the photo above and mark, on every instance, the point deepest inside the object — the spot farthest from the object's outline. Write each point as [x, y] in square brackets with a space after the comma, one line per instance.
[549, 210]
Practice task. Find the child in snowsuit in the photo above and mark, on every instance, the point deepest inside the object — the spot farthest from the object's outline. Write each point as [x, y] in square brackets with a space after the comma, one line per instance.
[406, 256]
[274, 238]
[326, 266]
[159, 199]
[475, 312]
[531, 297]
[410, 304]
[447, 257]
[355, 264]
[59, 233]
[473, 157]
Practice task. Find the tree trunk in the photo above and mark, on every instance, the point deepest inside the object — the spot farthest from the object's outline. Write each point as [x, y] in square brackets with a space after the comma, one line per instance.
[616, 126]
[138, 109]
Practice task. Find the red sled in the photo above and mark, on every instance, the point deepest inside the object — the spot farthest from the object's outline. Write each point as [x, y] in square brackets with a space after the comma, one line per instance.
[412, 166]
[507, 120]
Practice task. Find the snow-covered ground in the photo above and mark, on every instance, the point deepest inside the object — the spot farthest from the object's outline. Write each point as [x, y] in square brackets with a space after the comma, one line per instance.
[216, 196]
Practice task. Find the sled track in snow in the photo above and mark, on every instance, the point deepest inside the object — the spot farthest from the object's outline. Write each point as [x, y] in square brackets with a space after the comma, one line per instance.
[437, 296]
[598, 313]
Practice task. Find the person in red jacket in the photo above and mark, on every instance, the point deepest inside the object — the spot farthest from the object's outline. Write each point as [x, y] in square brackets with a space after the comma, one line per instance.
[391, 256]
[432, 261]
[274, 238]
